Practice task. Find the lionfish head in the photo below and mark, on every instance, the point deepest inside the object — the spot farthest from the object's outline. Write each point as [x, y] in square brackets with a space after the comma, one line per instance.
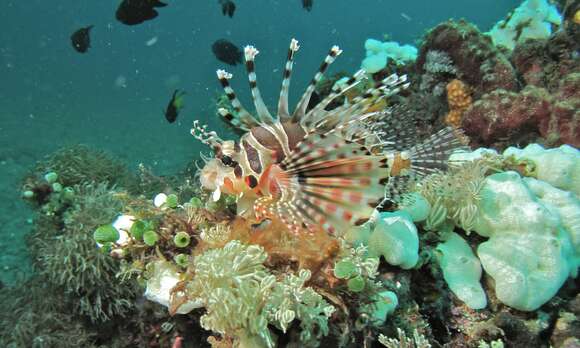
[218, 174]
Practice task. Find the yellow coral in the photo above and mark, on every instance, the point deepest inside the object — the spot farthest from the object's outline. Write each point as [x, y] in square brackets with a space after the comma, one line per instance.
[458, 99]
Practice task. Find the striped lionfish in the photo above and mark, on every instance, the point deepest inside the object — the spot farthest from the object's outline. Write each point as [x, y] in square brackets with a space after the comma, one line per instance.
[317, 168]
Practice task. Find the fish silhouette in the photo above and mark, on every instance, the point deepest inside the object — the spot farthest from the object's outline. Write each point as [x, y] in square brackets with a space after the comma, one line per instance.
[133, 12]
[228, 7]
[174, 106]
[81, 39]
[227, 52]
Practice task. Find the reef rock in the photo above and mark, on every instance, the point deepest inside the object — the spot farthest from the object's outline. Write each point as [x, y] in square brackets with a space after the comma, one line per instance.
[479, 64]
[502, 115]
[543, 63]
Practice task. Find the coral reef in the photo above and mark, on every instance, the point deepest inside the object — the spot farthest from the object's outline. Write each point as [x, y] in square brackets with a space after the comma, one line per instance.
[69, 261]
[38, 317]
[532, 19]
[501, 117]
[81, 164]
[483, 254]
[378, 54]
[477, 62]
[506, 115]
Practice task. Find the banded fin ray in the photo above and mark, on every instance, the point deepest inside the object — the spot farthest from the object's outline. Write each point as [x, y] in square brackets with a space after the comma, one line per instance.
[250, 53]
[428, 157]
[432, 155]
[329, 190]
[283, 112]
[300, 110]
[244, 119]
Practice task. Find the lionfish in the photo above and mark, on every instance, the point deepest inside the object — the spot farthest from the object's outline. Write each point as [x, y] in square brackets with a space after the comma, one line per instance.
[317, 168]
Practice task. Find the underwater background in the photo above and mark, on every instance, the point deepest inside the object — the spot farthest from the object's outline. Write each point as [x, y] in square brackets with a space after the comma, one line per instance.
[115, 226]
[113, 97]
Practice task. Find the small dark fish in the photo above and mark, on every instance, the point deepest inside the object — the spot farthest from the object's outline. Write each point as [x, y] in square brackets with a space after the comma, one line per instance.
[307, 4]
[132, 12]
[174, 106]
[228, 7]
[81, 39]
[227, 52]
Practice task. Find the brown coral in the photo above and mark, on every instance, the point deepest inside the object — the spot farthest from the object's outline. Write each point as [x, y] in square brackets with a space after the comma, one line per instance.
[478, 62]
[458, 99]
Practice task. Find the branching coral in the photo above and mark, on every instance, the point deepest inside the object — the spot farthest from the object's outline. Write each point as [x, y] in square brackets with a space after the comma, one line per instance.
[216, 235]
[232, 284]
[438, 66]
[357, 268]
[290, 300]
[417, 341]
[454, 195]
[241, 297]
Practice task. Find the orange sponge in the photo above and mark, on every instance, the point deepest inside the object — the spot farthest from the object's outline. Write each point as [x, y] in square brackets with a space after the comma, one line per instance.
[459, 99]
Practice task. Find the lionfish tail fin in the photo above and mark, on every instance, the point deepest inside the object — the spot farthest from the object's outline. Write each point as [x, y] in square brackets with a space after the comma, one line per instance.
[432, 155]
[333, 185]
[429, 157]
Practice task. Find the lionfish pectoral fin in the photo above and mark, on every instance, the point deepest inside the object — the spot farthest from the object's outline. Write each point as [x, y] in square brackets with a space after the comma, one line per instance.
[328, 189]
[245, 205]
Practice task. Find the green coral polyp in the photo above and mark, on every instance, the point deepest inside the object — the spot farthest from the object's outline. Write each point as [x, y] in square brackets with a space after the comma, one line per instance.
[150, 237]
[51, 177]
[106, 234]
[182, 260]
[57, 187]
[138, 229]
[344, 269]
[68, 193]
[356, 284]
[181, 239]
[196, 202]
[172, 201]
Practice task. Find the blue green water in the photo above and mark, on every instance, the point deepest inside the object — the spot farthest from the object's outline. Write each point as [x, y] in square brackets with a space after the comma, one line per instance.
[112, 97]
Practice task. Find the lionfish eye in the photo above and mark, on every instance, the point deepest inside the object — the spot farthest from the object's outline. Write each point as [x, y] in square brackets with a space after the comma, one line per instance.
[227, 161]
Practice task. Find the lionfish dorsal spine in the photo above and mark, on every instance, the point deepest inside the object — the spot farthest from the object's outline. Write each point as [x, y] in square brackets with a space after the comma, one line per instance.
[244, 120]
[250, 53]
[283, 109]
[300, 110]
[318, 113]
